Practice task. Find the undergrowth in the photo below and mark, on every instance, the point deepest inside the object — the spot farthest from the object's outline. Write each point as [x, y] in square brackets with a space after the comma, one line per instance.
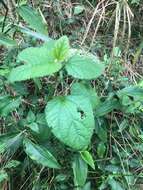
[71, 95]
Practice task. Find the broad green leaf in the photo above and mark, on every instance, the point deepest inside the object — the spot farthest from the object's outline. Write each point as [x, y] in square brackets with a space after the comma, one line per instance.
[3, 176]
[6, 41]
[33, 18]
[84, 67]
[87, 157]
[86, 90]
[71, 120]
[106, 107]
[101, 150]
[40, 154]
[61, 48]
[80, 170]
[39, 63]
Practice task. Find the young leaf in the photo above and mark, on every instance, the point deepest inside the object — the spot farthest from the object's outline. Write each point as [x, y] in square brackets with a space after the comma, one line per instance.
[80, 170]
[79, 89]
[40, 154]
[84, 67]
[71, 120]
[39, 62]
[61, 48]
[87, 157]
[32, 17]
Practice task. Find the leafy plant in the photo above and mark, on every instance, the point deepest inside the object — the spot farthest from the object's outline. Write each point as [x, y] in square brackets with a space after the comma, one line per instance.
[69, 120]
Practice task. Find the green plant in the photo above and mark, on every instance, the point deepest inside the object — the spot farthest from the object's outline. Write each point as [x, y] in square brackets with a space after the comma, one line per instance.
[66, 120]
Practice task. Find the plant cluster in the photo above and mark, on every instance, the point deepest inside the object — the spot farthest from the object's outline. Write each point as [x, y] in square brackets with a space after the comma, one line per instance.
[69, 119]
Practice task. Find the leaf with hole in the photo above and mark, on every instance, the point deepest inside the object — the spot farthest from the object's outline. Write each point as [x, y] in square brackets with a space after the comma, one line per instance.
[86, 90]
[71, 120]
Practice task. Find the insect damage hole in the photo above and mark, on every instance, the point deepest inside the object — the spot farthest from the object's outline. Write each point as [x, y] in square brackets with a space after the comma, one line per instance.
[82, 113]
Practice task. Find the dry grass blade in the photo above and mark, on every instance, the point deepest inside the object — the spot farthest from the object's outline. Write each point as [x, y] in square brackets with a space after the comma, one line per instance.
[129, 16]
[117, 24]
[91, 21]
[102, 14]
[124, 23]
